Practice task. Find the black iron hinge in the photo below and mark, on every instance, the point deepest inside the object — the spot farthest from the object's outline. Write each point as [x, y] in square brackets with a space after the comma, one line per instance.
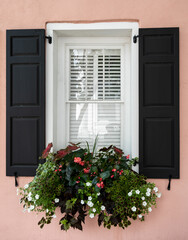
[49, 39]
[135, 38]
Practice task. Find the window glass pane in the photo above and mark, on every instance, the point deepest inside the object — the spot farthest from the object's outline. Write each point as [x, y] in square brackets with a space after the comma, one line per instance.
[95, 74]
[109, 75]
[87, 120]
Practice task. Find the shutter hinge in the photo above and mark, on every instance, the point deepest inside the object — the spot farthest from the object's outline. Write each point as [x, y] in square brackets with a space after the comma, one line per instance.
[49, 39]
[135, 38]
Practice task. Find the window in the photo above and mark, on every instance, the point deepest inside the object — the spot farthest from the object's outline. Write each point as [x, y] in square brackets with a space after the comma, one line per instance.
[95, 94]
[92, 81]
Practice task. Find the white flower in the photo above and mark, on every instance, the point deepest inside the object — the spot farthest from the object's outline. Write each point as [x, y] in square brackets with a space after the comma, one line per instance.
[91, 215]
[29, 194]
[88, 184]
[36, 196]
[56, 200]
[133, 209]
[102, 207]
[137, 191]
[82, 202]
[29, 199]
[130, 194]
[89, 198]
[148, 194]
[90, 204]
[143, 198]
[26, 186]
[155, 189]
[94, 209]
[148, 190]
[149, 209]
[29, 210]
[47, 210]
[54, 216]
[144, 203]
[140, 215]
[32, 207]
[98, 194]
[158, 195]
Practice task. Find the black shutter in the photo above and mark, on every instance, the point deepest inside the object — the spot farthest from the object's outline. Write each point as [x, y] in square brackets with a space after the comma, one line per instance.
[25, 118]
[159, 102]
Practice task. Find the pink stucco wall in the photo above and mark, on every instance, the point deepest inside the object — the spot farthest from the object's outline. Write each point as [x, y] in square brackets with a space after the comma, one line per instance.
[169, 220]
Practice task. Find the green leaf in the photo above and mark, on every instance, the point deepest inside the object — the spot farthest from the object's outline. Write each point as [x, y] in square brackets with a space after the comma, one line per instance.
[105, 174]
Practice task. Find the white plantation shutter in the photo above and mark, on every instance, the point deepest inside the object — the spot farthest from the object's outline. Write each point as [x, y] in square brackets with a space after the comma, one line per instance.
[94, 93]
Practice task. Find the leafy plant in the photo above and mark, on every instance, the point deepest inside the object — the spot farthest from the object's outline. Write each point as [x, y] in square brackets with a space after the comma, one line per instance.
[82, 183]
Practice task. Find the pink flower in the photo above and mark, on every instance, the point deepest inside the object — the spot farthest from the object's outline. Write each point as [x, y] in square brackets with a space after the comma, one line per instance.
[60, 166]
[128, 156]
[101, 170]
[77, 159]
[56, 170]
[59, 169]
[114, 170]
[102, 184]
[112, 176]
[81, 163]
[86, 170]
[77, 181]
[98, 185]
[47, 150]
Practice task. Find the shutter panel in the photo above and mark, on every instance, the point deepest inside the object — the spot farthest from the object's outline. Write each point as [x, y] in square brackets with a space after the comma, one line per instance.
[25, 119]
[159, 102]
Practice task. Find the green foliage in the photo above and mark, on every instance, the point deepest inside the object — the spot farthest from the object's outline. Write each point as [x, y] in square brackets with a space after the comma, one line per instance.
[82, 183]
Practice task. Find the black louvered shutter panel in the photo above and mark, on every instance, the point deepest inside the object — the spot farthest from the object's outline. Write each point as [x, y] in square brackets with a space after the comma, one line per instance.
[25, 118]
[159, 102]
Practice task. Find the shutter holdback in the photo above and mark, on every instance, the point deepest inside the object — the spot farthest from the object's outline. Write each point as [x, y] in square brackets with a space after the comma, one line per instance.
[170, 177]
[16, 182]
[49, 39]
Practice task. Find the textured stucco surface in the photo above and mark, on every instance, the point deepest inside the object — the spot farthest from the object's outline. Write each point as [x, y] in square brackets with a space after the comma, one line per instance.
[169, 220]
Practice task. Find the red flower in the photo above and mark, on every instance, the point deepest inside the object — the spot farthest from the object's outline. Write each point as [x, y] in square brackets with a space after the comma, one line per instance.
[60, 176]
[60, 166]
[100, 185]
[128, 156]
[100, 179]
[56, 170]
[118, 151]
[77, 159]
[78, 177]
[112, 176]
[86, 170]
[114, 170]
[77, 181]
[47, 150]
[81, 163]
[59, 169]
[101, 170]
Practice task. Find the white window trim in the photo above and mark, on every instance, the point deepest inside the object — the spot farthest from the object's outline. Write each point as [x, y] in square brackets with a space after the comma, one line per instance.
[53, 29]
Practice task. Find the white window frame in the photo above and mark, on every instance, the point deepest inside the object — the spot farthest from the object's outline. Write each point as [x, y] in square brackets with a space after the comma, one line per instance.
[55, 30]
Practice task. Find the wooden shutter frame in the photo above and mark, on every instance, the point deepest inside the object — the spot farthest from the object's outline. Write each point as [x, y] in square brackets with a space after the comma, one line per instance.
[168, 112]
[32, 113]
